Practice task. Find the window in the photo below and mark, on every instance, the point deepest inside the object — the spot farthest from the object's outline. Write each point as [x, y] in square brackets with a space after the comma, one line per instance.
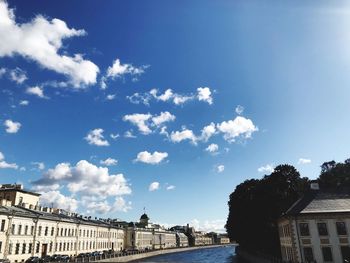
[24, 248]
[31, 230]
[61, 231]
[345, 252]
[308, 254]
[37, 247]
[327, 254]
[13, 229]
[0, 246]
[341, 228]
[50, 248]
[65, 232]
[26, 230]
[39, 231]
[52, 231]
[17, 249]
[322, 229]
[30, 245]
[19, 230]
[304, 229]
[10, 248]
[46, 230]
[20, 200]
[3, 225]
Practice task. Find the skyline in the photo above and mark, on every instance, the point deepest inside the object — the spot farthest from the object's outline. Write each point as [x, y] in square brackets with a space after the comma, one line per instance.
[168, 106]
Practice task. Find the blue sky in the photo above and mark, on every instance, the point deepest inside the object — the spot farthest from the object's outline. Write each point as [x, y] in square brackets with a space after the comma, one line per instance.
[102, 102]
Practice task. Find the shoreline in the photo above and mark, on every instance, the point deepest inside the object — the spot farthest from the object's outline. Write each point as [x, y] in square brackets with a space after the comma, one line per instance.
[135, 257]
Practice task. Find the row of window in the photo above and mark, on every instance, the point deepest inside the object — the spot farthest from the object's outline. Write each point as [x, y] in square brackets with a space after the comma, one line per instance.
[326, 254]
[60, 231]
[59, 247]
[323, 229]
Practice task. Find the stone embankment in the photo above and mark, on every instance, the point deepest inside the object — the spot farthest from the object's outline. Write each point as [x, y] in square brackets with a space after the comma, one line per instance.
[140, 255]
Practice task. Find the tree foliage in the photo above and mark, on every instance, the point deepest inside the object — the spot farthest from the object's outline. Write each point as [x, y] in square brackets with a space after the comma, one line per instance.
[255, 205]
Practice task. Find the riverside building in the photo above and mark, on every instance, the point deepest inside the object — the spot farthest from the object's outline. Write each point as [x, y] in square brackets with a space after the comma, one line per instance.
[39, 231]
[316, 228]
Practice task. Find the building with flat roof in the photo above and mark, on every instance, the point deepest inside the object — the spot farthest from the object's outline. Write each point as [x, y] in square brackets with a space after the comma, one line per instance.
[316, 228]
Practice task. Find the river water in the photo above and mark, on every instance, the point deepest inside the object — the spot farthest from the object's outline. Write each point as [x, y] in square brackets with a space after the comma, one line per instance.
[224, 254]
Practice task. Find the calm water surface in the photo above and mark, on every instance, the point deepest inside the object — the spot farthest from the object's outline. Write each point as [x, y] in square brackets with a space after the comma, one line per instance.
[207, 255]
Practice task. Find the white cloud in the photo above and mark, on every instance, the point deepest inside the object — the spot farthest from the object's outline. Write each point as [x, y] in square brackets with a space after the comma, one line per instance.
[185, 134]
[239, 109]
[212, 148]
[12, 126]
[2, 71]
[170, 187]
[162, 118]
[204, 94]
[39, 165]
[24, 103]
[110, 97]
[140, 120]
[58, 200]
[129, 134]
[181, 99]
[154, 186]
[109, 162]
[151, 158]
[167, 95]
[95, 137]
[37, 91]
[114, 136]
[6, 165]
[18, 75]
[207, 132]
[268, 168]
[304, 161]
[220, 168]
[40, 40]
[239, 127]
[217, 225]
[86, 179]
[138, 98]
[118, 70]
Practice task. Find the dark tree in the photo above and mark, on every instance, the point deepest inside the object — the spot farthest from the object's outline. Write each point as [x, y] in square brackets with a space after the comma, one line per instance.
[334, 175]
[255, 206]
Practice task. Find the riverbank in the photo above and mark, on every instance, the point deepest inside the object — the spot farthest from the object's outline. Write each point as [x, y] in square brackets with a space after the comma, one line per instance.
[135, 257]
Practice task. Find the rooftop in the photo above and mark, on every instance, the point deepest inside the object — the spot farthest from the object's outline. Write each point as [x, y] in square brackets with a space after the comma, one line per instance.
[321, 202]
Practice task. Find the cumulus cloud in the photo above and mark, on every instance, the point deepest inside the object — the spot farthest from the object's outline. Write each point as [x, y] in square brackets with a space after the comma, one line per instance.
[204, 94]
[12, 126]
[109, 162]
[118, 70]
[239, 109]
[110, 96]
[144, 122]
[6, 165]
[220, 168]
[85, 179]
[268, 168]
[37, 91]
[24, 103]
[239, 127]
[304, 161]
[151, 158]
[18, 75]
[185, 134]
[162, 118]
[217, 225]
[95, 137]
[212, 148]
[207, 132]
[170, 187]
[40, 40]
[140, 120]
[39, 165]
[58, 200]
[154, 186]
[129, 134]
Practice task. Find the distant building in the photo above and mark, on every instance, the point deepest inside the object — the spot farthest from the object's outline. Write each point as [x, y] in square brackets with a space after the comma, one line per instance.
[18, 196]
[316, 228]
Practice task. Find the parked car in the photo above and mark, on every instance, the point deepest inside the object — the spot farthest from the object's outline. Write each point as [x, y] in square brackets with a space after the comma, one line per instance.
[45, 259]
[96, 253]
[82, 255]
[3, 260]
[33, 260]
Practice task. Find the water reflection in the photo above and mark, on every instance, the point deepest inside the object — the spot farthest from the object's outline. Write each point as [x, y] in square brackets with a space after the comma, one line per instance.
[208, 255]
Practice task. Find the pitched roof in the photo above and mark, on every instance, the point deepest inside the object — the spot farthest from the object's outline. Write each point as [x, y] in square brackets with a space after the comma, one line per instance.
[321, 202]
